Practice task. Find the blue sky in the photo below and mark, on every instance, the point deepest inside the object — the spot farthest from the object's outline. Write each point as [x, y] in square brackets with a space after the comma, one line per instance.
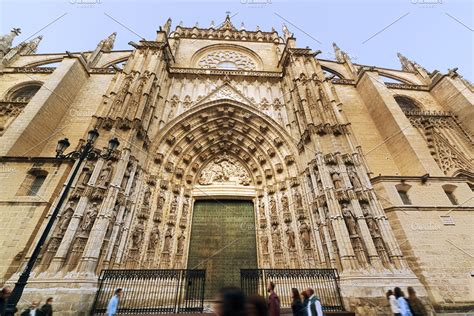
[438, 34]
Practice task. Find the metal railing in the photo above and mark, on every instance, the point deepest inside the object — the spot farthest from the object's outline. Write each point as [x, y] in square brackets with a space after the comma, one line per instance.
[325, 283]
[151, 291]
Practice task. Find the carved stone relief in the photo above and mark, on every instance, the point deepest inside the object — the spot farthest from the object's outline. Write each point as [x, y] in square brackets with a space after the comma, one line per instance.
[224, 169]
[227, 59]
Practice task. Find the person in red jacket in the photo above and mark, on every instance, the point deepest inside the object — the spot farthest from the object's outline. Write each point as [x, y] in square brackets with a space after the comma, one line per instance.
[273, 301]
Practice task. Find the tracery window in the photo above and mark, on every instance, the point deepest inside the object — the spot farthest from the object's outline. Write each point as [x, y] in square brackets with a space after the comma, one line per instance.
[406, 104]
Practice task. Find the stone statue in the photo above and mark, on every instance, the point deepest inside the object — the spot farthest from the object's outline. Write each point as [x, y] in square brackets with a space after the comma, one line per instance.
[6, 41]
[181, 240]
[290, 234]
[105, 174]
[298, 198]
[349, 219]
[146, 196]
[284, 203]
[261, 208]
[305, 233]
[126, 176]
[336, 179]
[276, 237]
[161, 200]
[174, 205]
[185, 207]
[154, 238]
[137, 235]
[354, 179]
[273, 210]
[86, 174]
[65, 219]
[89, 218]
[54, 244]
[264, 241]
[168, 237]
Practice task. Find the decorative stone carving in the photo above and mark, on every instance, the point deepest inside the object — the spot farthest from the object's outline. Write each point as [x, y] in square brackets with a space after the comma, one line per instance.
[224, 169]
[65, 219]
[147, 196]
[227, 59]
[354, 178]
[276, 238]
[290, 235]
[264, 243]
[168, 238]
[174, 205]
[180, 246]
[126, 175]
[337, 180]
[154, 238]
[298, 198]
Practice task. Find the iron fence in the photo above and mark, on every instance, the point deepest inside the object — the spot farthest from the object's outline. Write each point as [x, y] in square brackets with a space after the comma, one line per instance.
[325, 283]
[152, 291]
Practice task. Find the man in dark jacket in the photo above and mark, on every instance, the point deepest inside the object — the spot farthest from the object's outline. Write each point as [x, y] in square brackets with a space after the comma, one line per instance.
[4, 295]
[47, 308]
[33, 310]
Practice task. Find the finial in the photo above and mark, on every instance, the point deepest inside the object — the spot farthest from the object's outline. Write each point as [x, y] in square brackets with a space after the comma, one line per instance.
[286, 32]
[242, 26]
[407, 65]
[338, 53]
[16, 30]
[196, 25]
[258, 28]
[167, 26]
[212, 24]
[180, 23]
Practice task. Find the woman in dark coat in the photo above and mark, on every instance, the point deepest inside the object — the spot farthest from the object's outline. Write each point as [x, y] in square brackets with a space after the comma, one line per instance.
[297, 305]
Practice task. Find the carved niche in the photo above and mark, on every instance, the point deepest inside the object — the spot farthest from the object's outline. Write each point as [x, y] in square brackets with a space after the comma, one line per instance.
[227, 59]
[224, 169]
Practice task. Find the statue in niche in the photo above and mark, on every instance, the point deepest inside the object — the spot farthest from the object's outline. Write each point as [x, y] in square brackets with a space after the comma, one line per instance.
[349, 219]
[290, 234]
[264, 241]
[126, 176]
[146, 197]
[354, 178]
[298, 198]
[337, 180]
[276, 237]
[261, 208]
[185, 207]
[174, 205]
[105, 174]
[284, 203]
[86, 174]
[65, 219]
[371, 223]
[137, 235]
[89, 218]
[273, 210]
[181, 240]
[54, 244]
[154, 238]
[161, 200]
[168, 237]
[305, 233]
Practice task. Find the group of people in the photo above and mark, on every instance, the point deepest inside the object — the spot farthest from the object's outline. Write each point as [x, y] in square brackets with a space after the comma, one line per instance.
[405, 306]
[32, 310]
[306, 303]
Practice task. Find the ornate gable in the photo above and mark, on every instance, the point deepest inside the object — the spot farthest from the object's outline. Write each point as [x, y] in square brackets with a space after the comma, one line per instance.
[226, 91]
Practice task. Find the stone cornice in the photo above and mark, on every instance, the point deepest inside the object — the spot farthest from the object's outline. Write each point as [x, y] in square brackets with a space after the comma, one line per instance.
[226, 34]
[380, 179]
[416, 208]
[51, 160]
[225, 72]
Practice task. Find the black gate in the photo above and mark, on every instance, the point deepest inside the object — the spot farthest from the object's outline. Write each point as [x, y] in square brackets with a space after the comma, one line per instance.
[325, 283]
[152, 291]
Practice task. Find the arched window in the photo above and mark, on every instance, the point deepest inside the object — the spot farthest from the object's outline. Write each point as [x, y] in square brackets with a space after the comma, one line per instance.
[407, 104]
[32, 183]
[24, 93]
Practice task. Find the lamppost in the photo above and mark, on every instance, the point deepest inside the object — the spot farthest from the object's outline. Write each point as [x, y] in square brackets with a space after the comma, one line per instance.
[85, 152]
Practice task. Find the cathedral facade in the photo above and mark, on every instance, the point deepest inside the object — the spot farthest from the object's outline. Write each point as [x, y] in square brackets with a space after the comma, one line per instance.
[237, 139]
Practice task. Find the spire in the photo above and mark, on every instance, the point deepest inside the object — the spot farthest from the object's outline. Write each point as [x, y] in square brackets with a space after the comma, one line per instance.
[32, 45]
[167, 26]
[196, 25]
[6, 41]
[180, 24]
[338, 53]
[407, 65]
[213, 25]
[242, 26]
[286, 32]
[107, 44]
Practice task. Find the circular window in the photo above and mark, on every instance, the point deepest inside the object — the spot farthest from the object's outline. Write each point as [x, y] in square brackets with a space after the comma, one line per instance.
[226, 65]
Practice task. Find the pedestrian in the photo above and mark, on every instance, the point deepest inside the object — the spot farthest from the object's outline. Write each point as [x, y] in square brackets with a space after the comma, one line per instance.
[230, 302]
[47, 308]
[305, 297]
[112, 307]
[33, 310]
[297, 305]
[393, 303]
[4, 295]
[402, 302]
[273, 300]
[417, 307]
[257, 306]
[314, 307]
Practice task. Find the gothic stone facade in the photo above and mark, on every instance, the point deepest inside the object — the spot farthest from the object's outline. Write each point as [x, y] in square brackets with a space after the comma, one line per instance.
[344, 169]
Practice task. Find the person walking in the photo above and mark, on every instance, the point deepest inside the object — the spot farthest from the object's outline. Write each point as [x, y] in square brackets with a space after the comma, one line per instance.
[273, 301]
[33, 310]
[297, 305]
[417, 307]
[112, 307]
[314, 307]
[393, 303]
[47, 308]
[402, 302]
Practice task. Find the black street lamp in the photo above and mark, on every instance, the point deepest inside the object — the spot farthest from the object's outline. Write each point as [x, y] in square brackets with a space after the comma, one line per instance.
[85, 152]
